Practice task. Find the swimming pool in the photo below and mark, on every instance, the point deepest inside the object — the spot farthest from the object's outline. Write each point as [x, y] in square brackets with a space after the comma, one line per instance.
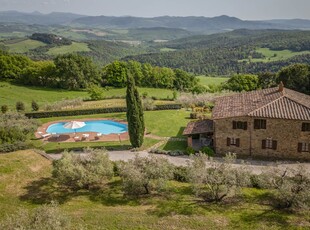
[100, 126]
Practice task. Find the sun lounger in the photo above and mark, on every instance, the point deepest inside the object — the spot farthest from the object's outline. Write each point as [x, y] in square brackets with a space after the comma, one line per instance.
[55, 135]
[98, 135]
[85, 136]
[44, 135]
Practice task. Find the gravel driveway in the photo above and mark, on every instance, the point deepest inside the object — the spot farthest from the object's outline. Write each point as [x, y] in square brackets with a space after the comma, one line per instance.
[254, 166]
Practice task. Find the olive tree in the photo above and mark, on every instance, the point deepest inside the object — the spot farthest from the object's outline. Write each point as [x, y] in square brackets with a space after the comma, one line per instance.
[83, 172]
[142, 175]
[290, 186]
[213, 180]
[44, 217]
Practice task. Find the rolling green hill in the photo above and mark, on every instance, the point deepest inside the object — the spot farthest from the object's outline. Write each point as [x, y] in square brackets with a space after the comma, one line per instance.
[24, 46]
[221, 53]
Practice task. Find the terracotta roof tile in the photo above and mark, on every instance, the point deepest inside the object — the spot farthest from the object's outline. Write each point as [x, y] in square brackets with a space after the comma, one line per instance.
[268, 103]
[197, 127]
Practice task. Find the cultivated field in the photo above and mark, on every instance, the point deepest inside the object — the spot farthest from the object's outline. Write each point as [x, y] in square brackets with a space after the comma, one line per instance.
[211, 80]
[74, 47]
[24, 46]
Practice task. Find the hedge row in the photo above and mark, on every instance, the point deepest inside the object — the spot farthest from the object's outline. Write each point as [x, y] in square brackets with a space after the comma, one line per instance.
[63, 113]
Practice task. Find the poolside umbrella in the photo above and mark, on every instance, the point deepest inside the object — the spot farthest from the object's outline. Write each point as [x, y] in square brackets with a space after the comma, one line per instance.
[74, 125]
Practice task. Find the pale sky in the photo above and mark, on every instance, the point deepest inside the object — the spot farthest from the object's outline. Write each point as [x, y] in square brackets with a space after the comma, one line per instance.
[244, 9]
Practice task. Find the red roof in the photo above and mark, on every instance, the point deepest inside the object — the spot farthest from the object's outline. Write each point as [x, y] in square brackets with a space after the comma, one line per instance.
[197, 127]
[267, 103]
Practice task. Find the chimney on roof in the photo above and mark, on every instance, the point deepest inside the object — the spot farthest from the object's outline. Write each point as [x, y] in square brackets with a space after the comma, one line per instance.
[281, 87]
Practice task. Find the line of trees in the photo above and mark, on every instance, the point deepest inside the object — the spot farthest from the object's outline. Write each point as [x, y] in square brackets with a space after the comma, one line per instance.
[212, 181]
[74, 72]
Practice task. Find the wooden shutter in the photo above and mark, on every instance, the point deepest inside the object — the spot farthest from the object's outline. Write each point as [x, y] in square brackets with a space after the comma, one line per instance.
[256, 124]
[264, 144]
[234, 124]
[274, 145]
[299, 149]
[238, 142]
[264, 124]
[228, 141]
[245, 125]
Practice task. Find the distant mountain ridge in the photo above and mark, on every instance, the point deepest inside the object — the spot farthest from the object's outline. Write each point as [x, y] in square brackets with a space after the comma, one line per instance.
[206, 25]
[54, 18]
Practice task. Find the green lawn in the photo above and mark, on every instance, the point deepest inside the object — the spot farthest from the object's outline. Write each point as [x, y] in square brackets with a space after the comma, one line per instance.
[211, 80]
[24, 46]
[274, 55]
[25, 182]
[10, 94]
[174, 145]
[74, 47]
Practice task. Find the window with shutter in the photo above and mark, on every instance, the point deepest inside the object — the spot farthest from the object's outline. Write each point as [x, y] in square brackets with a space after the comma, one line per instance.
[274, 145]
[303, 147]
[269, 144]
[238, 142]
[305, 127]
[240, 125]
[260, 124]
[228, 141]
[234, 124]
[263, 144]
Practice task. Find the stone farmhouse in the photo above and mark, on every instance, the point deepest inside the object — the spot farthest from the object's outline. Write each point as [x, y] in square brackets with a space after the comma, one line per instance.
[270, 123]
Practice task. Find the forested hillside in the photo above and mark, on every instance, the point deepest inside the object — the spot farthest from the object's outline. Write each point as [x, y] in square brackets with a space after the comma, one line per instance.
[231, 52]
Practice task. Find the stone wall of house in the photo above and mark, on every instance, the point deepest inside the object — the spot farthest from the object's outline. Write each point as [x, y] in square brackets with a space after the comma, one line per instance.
[287, 133]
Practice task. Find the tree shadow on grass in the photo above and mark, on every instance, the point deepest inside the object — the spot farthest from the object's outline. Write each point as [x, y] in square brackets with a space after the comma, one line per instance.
[112, 195]
[45, 190]
[180, 132]
[175, 206]
[270, 217]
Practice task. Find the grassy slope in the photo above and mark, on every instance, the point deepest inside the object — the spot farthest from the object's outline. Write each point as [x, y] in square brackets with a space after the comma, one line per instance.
[211, 80]
[10, 94]
[273, 55]
[24, 46]
[74, 47]
[25, 181]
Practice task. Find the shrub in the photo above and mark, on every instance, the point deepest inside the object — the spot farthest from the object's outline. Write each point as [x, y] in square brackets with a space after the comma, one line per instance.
[144, 95]
[45, 217]
[20, 106]
[193, 115]
[143, 175]
[180, 174]
[95, 92]
[190, 150]
[77, 172]
[207, 150]
[148, 103]
[174, 95]
[4, 108]
[34, 106]
[15, 130]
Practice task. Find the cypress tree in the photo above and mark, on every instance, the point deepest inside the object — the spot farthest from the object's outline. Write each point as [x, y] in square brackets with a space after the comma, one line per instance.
[134, 114]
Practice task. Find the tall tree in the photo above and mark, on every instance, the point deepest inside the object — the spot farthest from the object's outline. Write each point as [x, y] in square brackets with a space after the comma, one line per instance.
[134, 114]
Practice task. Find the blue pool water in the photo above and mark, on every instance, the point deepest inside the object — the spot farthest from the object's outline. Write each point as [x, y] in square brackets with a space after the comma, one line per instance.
[101, 126]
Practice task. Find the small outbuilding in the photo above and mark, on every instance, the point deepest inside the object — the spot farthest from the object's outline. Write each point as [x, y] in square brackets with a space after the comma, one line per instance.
[199, 133]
